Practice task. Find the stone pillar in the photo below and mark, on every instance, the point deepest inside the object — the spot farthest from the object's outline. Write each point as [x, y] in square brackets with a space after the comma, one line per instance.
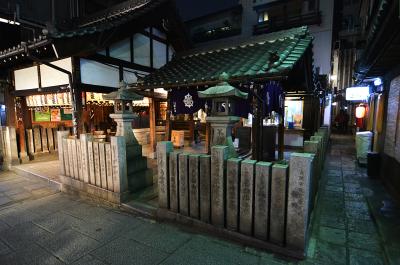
[247, 196]
[96, 158]
[219, 154]
[10, 147]
[23, 155]
[183, 184]
[50, 139]
[136, 163]
[313, 147]
[64, 146]
[84, 138]
[119, 164]
[45, 146]
[221, 132]
[261, 200]
[279, 180]
[70, 158]
[110, 183]
[320, 141]
[173, 181]
[232, 193]
[194, 186]
[103, 170]
[31, 146]
[298, 196]
[92, 175]
[163, 151]
[74, 158]
[205, 186]
[37, 140]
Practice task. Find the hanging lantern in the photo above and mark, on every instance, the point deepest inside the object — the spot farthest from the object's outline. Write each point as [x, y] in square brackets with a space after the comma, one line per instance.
[360, 112]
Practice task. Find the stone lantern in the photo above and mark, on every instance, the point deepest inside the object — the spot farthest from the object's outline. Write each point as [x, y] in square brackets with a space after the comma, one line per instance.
[123, 113]
[138, 176]
[222, 118]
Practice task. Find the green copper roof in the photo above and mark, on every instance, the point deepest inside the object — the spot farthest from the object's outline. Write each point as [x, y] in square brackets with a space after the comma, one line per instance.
[123, 94]
[267, 55]
[223, 89]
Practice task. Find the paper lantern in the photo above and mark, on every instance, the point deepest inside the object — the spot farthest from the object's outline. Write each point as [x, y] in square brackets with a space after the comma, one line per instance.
[360, 112]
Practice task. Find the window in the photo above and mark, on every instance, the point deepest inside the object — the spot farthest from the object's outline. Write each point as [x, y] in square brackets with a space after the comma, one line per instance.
[311, 5]
[159, 54]
[141, 49]
[121, 50]
[263, 17]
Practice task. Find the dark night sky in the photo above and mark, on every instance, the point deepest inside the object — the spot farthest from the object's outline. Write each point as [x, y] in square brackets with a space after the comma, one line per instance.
[195, 8]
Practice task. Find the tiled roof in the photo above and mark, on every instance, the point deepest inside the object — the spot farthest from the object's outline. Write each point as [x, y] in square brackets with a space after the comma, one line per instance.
[377, 20]
[110, 18]
[269, 55]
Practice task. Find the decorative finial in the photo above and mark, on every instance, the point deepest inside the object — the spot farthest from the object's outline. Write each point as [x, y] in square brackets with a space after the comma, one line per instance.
[224, 77]
[123, 85]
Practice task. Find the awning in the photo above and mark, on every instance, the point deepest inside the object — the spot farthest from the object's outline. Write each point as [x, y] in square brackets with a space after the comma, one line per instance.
[262, 57]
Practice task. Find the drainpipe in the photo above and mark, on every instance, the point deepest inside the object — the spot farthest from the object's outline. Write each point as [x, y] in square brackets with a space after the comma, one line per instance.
[70, 81]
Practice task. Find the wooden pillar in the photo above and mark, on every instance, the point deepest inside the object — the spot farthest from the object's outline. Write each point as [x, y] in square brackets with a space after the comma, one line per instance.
[168, 119]
[281, 136]
[191, 130]
[24, 120]
[255, 128]
[208, 138]
[152, 118]
[9, 100]
[77, 86]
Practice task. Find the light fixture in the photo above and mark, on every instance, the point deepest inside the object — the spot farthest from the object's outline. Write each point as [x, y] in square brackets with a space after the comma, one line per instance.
[334, 103]
[360, 112]
[7, 21]
[377, 81]
[333, 77]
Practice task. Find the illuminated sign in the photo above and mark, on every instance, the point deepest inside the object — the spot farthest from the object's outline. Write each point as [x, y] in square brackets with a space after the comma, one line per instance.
[360, 93]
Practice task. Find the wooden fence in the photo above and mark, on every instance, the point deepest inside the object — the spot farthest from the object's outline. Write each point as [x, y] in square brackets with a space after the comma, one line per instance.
[265, 204]
[93, 168]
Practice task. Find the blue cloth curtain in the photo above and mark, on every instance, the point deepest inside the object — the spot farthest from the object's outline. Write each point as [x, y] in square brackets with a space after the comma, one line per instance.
[187, 101]
[274, 98]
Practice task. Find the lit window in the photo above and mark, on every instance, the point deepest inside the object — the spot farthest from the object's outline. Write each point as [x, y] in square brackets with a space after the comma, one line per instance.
[263, 17]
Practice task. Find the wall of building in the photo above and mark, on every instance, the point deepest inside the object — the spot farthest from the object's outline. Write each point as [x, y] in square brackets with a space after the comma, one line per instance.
[322, 33]
[391, 154]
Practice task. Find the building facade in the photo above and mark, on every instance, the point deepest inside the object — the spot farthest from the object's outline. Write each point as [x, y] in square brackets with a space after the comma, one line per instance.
[378, 68]
[265, 16]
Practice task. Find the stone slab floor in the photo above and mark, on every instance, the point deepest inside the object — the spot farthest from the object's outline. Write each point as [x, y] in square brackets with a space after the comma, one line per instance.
[40, 225]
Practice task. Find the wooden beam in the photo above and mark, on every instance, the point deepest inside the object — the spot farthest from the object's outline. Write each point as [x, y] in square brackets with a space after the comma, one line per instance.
[168, 119]
[152, 120]
[110, 60]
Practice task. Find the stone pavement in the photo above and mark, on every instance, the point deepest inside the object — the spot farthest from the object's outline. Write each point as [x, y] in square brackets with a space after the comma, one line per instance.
[39, 225]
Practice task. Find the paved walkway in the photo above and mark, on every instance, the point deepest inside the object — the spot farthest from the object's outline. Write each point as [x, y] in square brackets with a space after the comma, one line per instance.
[39, 225]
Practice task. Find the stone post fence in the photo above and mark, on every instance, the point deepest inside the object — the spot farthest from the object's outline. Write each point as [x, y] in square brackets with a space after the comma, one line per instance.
[94, 169]
[8, 148]
[266, 205]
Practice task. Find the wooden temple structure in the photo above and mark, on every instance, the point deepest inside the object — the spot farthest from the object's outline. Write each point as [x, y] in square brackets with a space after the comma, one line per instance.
[57, 80]
[283, 59]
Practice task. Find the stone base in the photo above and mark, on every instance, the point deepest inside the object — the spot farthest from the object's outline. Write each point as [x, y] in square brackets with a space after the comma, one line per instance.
[139, 176]
[197, 225]
[86, 190]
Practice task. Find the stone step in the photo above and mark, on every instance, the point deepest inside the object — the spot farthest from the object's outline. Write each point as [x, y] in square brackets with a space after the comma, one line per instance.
[140, 179]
